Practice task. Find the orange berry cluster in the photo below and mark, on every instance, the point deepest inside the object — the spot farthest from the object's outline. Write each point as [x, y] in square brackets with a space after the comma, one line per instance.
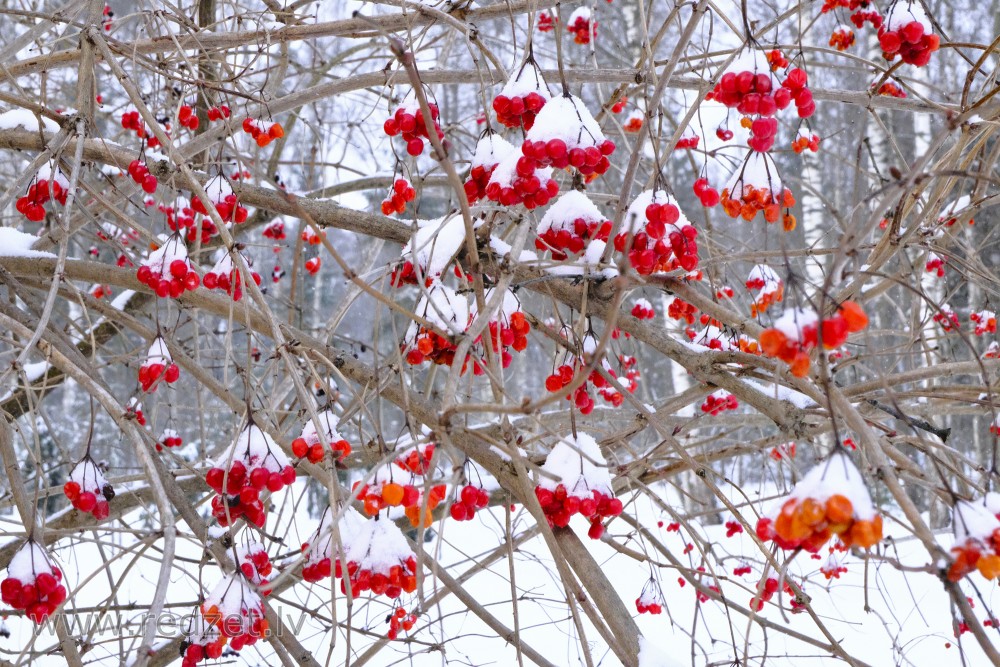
[977, 543]
[776, 341]
[804, 141]
[809, 523]
[985, 321]
[753, 199]
[262, 131]
[430, 346]
[582, 27]
[842, 38]
[380, 495]
[503, 337]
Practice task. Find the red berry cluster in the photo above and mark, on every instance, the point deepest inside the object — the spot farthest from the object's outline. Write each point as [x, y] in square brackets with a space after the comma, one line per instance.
[664, 242]
[408, 122]
[430, 346]
[634, 122]
[470, 499]
[985, 321]
[218, 113]
[400, 579]
[765, 591]
[226, 277]
[558, 506]
[581, 26]
[650, 600]
[168, 271]
[706, 194]
[750, 93]
[723, 133]
[226, 205]
[763, 132]
[546, 22]
[236, 610]
[527, 185]
[107, 16]
[748, 195]
[906, 33]
[202, 641]
[935, 264]
[139, 172]
[733, 528]
[402, 192]
[842, 38]
[511, 333]
[187, 117]
[33, 583]
[32, 204]
[619, 106]
[417, 460]
[678, 309]
[643, 310]
[889, 89]
[977, 541]
[400, 620]
[687, 142]
[581, 397]
[312, 237]
[274, 230]
[309, 445]
[132, 121]
[796, 333]
[718, 402]
[312, 265]
[519, 110]
[181, 216]
[157, 365]
[169, 439]
[947, 318]
[570, 224]
[252, 464]
[88, 490]
[255, 565]
[554, 152]
[262, 131]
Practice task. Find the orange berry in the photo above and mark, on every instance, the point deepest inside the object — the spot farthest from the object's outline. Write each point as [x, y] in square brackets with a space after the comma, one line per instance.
[392, 494]
[276, 131]
[371, 506]
[746, 123]
[812, 512]
[800, 365]
[863, 534]
[788, 223]
[989, 566]
[263, 140]
[772, 341]
[854, 315]
[839, 509]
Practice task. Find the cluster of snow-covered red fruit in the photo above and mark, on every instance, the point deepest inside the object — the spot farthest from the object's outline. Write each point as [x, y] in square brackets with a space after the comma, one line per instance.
[88, 490]
[33, 583]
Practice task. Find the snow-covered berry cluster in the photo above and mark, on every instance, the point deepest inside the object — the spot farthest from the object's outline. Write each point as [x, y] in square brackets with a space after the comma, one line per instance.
[47, 185]
[769, 286]
[168, 270]
[570, 224]
[261, 131]
[522, 97]
[33, 583]
[643, 310]
[275, 230]
[378, 560]
[516, 179]
[169, 439]
[221, 196]
[947, 318]
[313, 446]
[218, 112]
[935, 264]
[718, 402]
[255, 564]
[507, 330]
[842, 37]
[633, 122]
[565, 134]
[490, 151]
[383, 492]
[907, 33]
[408, 122]
[430, 250]
[756, 187]
[88, 490]
[806, 139]
[236, 610]
[157, 365]
[985, 322]
[575, 480]
[253, 463]
[225, 276]
[582, 25]
[977, 538]
[794, 335]
[831, 500]
[546, 21]
[662, 238]
[449, 313]
[202, 641]
[650, 600]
